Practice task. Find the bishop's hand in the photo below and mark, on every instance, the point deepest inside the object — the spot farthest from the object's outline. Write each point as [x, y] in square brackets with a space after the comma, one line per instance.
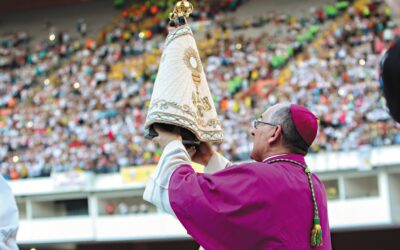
[202, 154]
[165, 137]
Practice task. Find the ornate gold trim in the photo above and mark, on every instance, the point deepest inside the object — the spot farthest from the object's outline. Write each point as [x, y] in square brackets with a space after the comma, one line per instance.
[202, 135]
[164, 105]
[174, 34]
[191, 57]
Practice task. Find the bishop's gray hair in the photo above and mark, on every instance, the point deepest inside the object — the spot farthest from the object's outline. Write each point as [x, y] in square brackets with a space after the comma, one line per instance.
[291, 138]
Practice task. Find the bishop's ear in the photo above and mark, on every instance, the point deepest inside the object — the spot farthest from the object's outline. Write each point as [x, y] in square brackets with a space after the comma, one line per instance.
[276, 134]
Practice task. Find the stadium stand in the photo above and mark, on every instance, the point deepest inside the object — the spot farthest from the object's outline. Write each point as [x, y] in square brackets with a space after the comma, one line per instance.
[73, 109]
[89, 114]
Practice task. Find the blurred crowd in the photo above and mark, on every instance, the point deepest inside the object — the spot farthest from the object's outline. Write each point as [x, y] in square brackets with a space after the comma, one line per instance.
[123, 208]
[80, 118]
[90, 114]
[339, 82]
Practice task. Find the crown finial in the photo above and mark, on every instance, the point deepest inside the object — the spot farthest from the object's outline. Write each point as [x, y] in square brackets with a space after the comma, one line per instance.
[181, 13]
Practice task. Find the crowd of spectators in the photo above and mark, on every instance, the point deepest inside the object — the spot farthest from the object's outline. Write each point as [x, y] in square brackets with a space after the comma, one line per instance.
[123, 208]
[339, 80]
[90, 116]
[46, 124]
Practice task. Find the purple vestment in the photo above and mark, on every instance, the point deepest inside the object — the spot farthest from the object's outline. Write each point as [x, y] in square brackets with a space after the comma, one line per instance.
[249, 206]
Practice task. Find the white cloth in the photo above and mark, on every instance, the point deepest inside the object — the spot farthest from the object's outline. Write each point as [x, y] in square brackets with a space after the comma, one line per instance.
[156, 190]
[8, 217]
[181, 95]
[266, 159]
[173, 156]
[216, 163]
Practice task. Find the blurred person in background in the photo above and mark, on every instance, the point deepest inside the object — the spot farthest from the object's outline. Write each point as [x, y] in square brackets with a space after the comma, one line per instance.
[8, 217]
[272, 203]
[395, 5]
[389, 71]
[390, 79]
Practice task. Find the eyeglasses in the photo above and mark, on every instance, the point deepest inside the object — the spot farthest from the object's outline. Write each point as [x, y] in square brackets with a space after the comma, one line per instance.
[256, 123]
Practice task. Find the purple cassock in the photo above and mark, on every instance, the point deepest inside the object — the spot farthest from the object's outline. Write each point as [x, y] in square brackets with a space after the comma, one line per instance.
[253, 206]
[249, 206]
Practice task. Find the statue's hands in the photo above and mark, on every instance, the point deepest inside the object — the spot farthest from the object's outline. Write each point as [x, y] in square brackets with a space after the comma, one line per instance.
[203, 153]
[165, 137]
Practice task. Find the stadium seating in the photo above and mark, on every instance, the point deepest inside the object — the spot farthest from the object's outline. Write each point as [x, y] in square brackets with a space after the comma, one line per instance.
[89, 113]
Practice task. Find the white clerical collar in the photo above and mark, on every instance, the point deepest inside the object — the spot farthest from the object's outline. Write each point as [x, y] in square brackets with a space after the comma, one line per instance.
[273, 156]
